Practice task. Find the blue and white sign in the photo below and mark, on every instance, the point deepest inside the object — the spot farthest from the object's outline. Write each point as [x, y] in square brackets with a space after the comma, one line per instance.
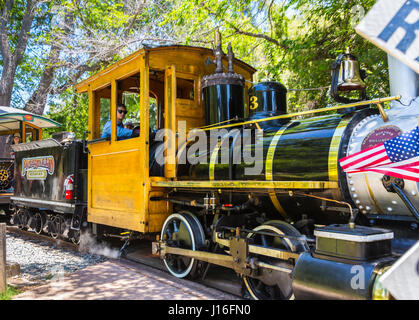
[393, 25]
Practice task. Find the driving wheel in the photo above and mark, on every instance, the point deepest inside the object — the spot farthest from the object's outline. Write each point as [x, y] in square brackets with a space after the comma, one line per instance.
[182, 230]
[272, 284]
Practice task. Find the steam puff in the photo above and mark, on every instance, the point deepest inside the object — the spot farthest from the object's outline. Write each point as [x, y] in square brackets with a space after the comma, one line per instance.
[89, 244]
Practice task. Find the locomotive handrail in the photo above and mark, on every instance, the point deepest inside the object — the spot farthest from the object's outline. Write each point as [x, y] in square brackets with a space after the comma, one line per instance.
[295, 114]
[247, 184]
[214, 124]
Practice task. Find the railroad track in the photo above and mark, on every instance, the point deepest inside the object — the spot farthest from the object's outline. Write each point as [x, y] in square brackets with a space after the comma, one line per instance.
[139, 253]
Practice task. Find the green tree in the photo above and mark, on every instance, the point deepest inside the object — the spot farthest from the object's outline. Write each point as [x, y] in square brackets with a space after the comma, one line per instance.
[47, 46]
[293, 41]
[72, 112]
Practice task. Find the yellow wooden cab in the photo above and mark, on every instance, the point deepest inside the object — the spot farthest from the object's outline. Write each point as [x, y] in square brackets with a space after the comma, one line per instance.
[165, 82]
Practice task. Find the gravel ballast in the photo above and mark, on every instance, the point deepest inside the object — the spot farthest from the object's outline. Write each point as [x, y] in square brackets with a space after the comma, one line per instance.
[41, 260]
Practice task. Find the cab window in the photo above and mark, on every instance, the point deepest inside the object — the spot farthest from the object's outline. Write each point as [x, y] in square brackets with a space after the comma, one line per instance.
[128, 94]
[132, 102]
[156, 85]
[32, 134]
[105, 111]
[101, 109]
[185, 89]
[152, 108]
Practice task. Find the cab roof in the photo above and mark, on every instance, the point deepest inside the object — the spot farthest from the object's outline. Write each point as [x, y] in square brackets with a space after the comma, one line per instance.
[10, 119]
[83, 85]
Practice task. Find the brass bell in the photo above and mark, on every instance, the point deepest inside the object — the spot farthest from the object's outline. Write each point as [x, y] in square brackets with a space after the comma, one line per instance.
[349, 77]
[346, 76]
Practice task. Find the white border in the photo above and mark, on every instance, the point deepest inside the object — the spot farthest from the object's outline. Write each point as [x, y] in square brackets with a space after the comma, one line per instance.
[353, 237]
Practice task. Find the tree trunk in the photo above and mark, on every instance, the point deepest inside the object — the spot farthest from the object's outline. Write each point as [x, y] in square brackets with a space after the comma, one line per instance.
[12, 58]
[6, 87]
[36, 103]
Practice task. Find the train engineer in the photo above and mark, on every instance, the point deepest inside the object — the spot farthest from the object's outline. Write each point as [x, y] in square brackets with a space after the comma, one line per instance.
[121, 131]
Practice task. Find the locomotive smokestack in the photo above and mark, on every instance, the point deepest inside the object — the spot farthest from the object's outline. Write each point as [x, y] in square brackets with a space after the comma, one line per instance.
[223, 92]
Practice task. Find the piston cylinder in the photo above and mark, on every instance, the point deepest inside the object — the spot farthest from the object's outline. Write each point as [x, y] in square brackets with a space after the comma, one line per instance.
[316, 278]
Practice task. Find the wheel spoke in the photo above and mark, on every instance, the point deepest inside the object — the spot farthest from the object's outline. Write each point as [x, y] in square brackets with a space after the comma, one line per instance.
[181, 264]
[185, 260]
[178, 232]
[38, 223]
[264, 242]
[169, 234]
[272, 284]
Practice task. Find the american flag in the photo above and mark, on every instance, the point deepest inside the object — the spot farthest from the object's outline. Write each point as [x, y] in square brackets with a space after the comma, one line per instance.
[397, 157]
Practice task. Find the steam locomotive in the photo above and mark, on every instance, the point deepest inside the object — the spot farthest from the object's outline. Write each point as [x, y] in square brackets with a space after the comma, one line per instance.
[289, 221]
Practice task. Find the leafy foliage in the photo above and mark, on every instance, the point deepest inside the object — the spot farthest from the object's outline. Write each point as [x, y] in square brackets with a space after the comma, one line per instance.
[72, 112]
[293, 41]
[68, 40]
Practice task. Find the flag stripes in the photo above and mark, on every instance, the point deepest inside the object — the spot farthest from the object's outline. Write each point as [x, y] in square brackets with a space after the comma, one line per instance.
[403, 150]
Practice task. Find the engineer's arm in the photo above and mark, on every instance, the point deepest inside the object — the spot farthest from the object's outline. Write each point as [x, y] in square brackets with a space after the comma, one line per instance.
[123, 133]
